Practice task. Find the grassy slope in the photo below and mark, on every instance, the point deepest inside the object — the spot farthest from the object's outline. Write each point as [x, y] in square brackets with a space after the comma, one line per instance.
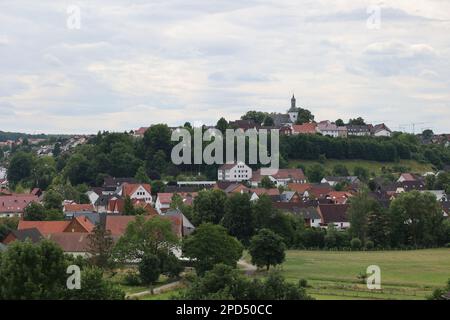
[373, 166]
[404, 274]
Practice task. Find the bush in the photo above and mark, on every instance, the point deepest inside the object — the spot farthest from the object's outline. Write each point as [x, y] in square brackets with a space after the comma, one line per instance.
[369, 245]
[447, 245]
[303, 283]
[132, 278]
[355, 243]
[149, 269]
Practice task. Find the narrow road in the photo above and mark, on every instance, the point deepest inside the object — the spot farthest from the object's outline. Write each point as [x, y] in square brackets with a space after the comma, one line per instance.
[157, 290]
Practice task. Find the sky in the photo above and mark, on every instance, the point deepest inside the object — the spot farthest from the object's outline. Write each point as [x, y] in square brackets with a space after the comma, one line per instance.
[85, 66]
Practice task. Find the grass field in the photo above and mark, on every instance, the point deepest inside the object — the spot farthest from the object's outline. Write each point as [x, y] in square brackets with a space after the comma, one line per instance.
[404, 274]
[373, 167]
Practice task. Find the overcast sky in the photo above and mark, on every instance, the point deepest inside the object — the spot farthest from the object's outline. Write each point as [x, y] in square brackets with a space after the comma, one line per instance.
[135, 63]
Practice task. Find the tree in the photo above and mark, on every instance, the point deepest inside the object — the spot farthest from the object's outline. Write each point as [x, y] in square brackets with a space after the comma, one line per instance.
[20, 167]
[415, 218]
[361, 173]
[357, 122]
[238, 218]
[340, 123]
[222, 125]
[53, 200]
[257, 116]
[340, 170]
[95, 287]
[361, 207]
[209, 245]
[268, 121]
[143, 236]
[226, 283]
[209, 206]
[56, 150]
[141, 175]
[128, 207]
[149, 269]
[441, 294]
[315, 173]
[304, 116]
[378, 228]
[266, 183]
[427, 134]
[263, 211]
[267, 249]
[100, 246]
[34, 212]
[32, 271]
[7, 225]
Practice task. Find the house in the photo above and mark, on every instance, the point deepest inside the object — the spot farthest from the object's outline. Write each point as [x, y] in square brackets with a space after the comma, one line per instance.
[273, 193]
[290, 196]
[406, 177]
[234, 172]
[139, 133]
[328, 128]
[136, 191]
[358, 130]
[164, 200]
[335, 214]
[282, 178]
[306, 128]
[406, 186]
[311, 216]
[14, 204]
[73, 243]
[244, 125]
[333, 181]
[111, 184]
[381, 130]
[281, 120]
[31, 234]
[3, 173]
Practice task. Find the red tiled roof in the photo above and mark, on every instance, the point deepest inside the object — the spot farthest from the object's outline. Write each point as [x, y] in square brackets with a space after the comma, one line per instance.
[71, 241]
[294, 174]
[166, 197]
[299, 187]
[85, 223]
[269, 192]
[333, 212]
[16, 202]
[339, 197]
[408, 177]
[74, 207]
[129, 188]
[306, 128]
[44, 227]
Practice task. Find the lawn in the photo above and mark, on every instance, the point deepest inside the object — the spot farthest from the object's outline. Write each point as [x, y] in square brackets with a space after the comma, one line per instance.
[404, 274]
[373, 167]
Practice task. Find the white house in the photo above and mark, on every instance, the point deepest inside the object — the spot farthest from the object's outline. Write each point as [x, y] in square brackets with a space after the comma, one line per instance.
[136, 191]
[330, 129]
[381, 130]
[234, 172]
[281, 178]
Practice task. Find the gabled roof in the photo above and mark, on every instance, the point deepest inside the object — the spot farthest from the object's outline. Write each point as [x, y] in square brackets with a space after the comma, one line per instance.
[408, 177]
[15, 202]
[32, 234]
[269, 192]
[129, 188]
[306, 128]
[300, 188]
[333, 213]
[282, 174]
[71, 241]
[118, 224]
[44, 227]
[112, 181]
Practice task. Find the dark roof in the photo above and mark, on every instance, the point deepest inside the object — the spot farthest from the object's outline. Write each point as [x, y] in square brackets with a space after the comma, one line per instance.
[244, 124]
[178, 189]
[33, 234]
[280, 119]
[333, 212]
[309, 213]
[103, 200]
[412, 185]
[71, 241]
[293, 207]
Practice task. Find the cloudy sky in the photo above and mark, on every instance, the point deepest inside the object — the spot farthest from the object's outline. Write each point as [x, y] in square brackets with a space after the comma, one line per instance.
[134, 63]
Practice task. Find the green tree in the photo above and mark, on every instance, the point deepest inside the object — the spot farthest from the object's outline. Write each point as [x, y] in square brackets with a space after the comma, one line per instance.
[256, 116]
[266, 183]
[267, 249]
[149, 269]
[7, 225]
[145, 235]
[209, 206]
[361, 207]
[238, 218]
[34, 212]
[128, 207]
[263, 212]
[209, 245]
[340, 170]
[357, 122]
[304, 116]
[100, 246]
[32, 271]
[340, 123]
[141, 175]
[268, 121]
[361, 173]
[53, 200]
[315, 173]
[20, 167]
[95, 287]
[222, 125]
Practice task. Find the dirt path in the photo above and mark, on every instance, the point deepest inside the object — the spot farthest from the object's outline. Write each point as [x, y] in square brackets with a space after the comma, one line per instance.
[157, 290]
[249, 268]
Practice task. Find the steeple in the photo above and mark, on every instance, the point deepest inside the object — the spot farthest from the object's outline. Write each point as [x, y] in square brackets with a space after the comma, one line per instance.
[293, 102]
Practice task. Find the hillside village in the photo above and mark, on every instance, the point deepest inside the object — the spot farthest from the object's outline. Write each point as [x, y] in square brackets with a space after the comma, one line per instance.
[60, 205]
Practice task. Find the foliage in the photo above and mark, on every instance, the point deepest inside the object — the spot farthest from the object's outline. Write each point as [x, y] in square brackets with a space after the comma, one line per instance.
[267, 249]
[238, 217]
[149, 269]
[209, 245]
[100, 247]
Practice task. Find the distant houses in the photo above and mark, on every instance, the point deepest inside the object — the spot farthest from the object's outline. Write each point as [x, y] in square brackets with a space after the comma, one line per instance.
[234, 172]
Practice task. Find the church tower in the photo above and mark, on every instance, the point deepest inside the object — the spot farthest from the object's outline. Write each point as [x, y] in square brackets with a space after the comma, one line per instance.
[293, 111]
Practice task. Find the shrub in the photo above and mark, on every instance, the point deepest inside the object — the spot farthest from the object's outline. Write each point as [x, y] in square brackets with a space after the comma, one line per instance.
[132, 278]
[369, 245]
[355, 243]
[303, 283]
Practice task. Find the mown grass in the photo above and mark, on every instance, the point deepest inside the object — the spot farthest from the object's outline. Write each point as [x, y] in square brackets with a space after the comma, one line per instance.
[374, 167]
[334, 275]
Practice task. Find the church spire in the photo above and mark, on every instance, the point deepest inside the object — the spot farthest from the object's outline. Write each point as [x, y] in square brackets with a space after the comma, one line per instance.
[293, 102]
